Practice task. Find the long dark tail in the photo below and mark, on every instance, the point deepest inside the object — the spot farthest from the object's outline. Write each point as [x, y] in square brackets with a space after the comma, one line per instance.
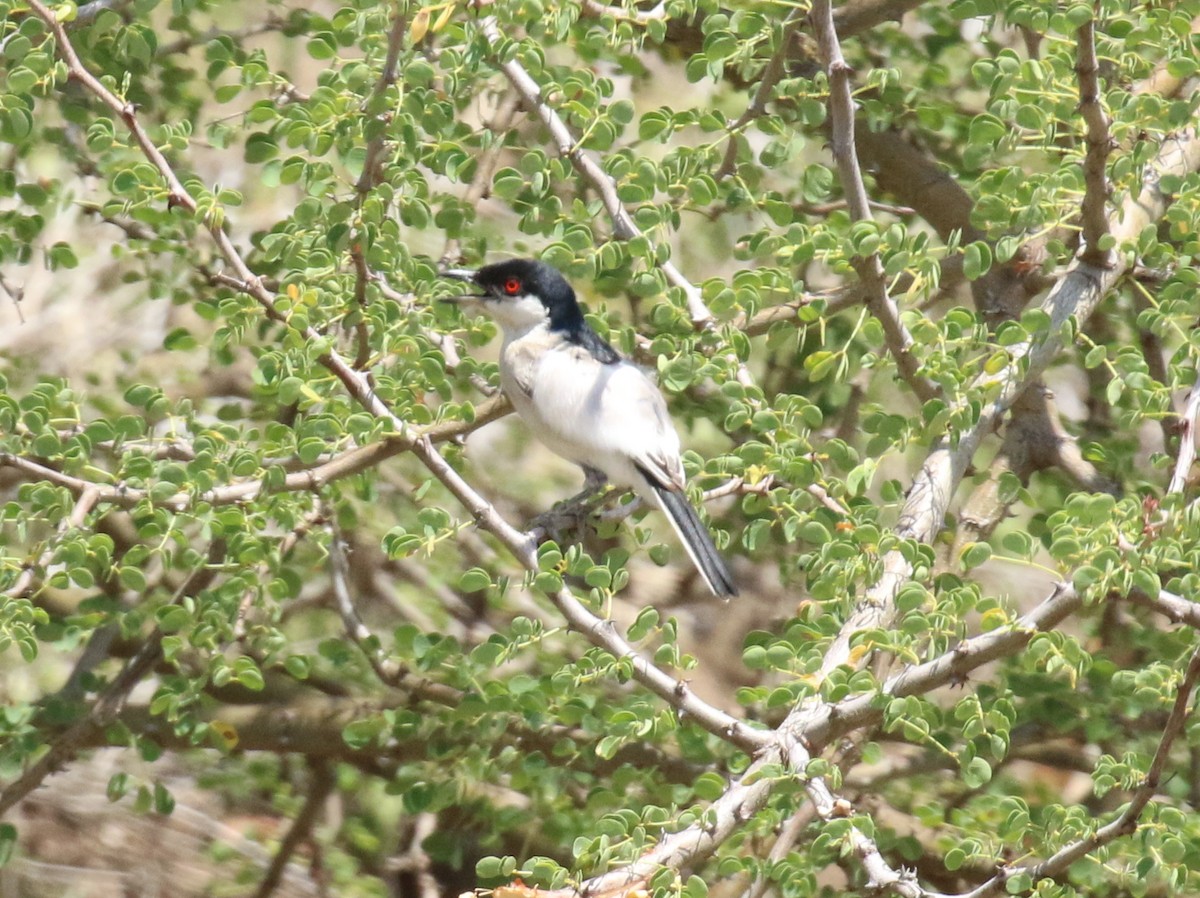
[694, 536]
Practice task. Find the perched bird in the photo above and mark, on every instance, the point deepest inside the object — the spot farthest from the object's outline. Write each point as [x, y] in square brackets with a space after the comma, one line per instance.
[584, 401]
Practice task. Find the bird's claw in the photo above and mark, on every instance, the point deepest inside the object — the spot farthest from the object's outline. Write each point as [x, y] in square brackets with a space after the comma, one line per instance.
[567, 521]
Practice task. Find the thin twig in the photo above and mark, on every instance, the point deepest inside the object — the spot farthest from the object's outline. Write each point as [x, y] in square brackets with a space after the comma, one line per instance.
[183, 44]
[88, 498]
[388, 671]
[771, 74]
[319, 789]
[789, 834]
[869, 267]
[16, 294]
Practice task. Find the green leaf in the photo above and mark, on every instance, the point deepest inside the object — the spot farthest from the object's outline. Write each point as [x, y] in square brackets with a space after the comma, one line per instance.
[977, 773]
[977, 259]
[179, 339]
[975, 554]
[260, 148]
[709, 786]
[474, 580]
[173, 618]
[8, 842]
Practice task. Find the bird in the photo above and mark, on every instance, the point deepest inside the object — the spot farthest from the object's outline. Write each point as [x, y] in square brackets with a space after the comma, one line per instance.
[586, 402]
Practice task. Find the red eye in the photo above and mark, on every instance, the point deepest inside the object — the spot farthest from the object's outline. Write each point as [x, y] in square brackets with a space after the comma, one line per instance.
[512, 286]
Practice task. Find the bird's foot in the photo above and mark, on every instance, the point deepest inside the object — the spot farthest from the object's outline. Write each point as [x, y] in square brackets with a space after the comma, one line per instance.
[567, 521]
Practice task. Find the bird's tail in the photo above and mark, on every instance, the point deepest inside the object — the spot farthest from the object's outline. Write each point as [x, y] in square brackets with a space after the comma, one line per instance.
[695, 538]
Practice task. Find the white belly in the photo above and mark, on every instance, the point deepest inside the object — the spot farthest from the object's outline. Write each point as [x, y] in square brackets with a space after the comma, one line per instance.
[603, 416]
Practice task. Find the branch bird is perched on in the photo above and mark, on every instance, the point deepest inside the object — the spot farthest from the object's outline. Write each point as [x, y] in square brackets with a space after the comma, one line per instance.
[584, 401]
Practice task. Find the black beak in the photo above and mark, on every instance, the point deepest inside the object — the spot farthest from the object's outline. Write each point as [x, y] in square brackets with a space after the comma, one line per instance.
[460, 274]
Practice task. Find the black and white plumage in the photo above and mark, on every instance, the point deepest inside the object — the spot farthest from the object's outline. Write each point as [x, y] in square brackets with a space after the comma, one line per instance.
[584, 401]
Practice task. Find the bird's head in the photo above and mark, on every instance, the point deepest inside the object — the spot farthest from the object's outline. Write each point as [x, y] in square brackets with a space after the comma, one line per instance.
[520, 294]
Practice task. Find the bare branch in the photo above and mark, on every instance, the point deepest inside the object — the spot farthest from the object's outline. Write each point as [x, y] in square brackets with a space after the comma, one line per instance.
[641, 16]
[386, 669]
[869, 267]
[1094, 211]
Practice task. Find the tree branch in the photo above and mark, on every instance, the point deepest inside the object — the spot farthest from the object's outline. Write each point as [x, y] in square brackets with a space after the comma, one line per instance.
[108, 706]
[1071, 301]
[1187, 440]
[801, 735]
[319, 789]
[771, 74]
[1126, 822]
[869, 267]
[1094, 211]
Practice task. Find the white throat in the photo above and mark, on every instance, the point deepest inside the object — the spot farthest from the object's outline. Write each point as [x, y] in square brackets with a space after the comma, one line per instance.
[517, 315]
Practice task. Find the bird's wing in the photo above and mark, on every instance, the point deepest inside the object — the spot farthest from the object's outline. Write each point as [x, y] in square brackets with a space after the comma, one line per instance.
[642, 426]
[520, 370]
[609, 416]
